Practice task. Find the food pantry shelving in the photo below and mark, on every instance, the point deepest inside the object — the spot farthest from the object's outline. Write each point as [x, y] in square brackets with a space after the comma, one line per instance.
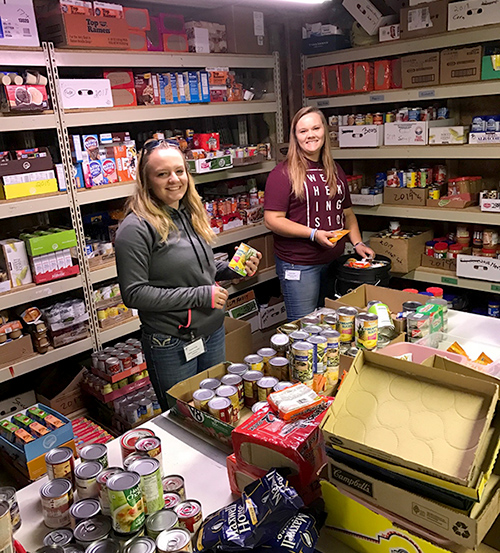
[62, 121]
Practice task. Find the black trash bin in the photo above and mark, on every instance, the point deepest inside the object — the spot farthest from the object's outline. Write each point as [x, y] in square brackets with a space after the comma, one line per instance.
[345, 279]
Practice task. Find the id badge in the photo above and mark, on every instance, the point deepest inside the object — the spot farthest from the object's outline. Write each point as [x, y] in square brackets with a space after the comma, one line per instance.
[292, 275]
[194, 349]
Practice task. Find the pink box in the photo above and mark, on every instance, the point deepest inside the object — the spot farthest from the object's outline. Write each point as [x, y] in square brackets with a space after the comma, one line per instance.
[154, 36]
[171, 24]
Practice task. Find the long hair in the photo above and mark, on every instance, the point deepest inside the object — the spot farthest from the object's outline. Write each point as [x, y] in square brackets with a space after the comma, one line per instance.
[297, 163]
[148, 207]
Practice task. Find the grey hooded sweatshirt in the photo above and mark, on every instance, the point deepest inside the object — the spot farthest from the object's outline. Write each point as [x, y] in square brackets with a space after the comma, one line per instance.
[170, 283]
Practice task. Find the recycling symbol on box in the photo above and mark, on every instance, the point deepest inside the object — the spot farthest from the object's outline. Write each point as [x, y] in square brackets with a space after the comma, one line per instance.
[461, 529]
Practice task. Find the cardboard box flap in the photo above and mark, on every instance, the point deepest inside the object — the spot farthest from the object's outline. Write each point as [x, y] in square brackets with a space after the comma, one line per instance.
[184, 390]
[413, 416]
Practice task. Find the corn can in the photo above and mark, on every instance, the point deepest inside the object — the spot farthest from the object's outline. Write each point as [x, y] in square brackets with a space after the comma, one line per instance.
[366, 331]
[346, 323]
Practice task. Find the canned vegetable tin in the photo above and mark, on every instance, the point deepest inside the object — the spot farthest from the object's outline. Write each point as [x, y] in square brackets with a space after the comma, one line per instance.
[152, 490]
[280, 368]
[265, 387]
[190, 515]
[332, 349]
[125, 501]
[302, 369]
[366, 331]
[152, 448]
[131, 458]
[142, 544]
[174, 541]
[102, 478]
[250, 379]
[171, 500]
[92, 530]
[221, 408]
[319, 349]
[201, 398]
[210, 384]
[8, 494]
[236, 381]
[108, 545]
[160, 521]
[60, 464]
[86, 479]
[95, 452]
[237, 368]
[57, 498]
[255, 362]
[231, 393]
[266, 354]
[61, 536]
[280, 343]
[175, 484]
[127, 441]
[6, 542]
[84, 509]
[346, 323]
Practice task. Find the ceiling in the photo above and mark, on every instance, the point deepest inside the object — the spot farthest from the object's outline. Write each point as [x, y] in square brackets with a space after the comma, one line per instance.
[207, 4]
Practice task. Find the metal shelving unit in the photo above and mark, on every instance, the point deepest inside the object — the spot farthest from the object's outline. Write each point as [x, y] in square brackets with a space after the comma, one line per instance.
[239, 234]
[36, 204]
[441, 277]
[27, 122]
[105, 273]
[462, 151]
[262, 276]
[111, 334]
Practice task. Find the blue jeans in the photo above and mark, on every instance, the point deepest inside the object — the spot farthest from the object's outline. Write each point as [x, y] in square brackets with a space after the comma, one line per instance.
[167, 364]
[302, 296]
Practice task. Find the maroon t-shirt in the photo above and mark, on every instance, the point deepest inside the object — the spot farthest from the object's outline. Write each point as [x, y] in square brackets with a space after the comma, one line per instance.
[316, 210]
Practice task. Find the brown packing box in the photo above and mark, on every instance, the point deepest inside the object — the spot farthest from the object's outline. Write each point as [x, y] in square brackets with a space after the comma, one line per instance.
[433, 421]
[420, 70]
[415, 19]
[405, 196]
[68, 400]
[20, 166]
[15, 350]
[271, 260]
[81, 31]
[460, 65]
[449, 265]
[404, 254]
[259, 244]
[239, 22]
[238, 339]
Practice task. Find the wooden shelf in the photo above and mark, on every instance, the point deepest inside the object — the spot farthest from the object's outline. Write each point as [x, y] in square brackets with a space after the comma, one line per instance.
[423, 274]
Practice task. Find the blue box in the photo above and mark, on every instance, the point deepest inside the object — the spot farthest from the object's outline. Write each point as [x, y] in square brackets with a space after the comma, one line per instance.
[204, 86]
[168, 88]
[180, 88]
[192, 87]
[321, 44]
[78, 174]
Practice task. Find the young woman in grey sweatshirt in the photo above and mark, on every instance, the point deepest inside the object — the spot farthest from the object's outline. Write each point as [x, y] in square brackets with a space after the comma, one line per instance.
[167, 271]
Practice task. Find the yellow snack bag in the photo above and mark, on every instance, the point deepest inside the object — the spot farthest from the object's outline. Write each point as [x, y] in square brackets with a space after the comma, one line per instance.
[483, 359]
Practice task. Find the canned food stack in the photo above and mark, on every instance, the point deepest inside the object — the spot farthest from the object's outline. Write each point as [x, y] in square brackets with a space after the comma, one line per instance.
[477, 240]
[126, 510]
[400, 115]
[87, 431]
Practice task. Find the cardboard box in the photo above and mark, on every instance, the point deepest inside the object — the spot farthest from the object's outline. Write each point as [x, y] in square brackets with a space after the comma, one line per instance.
[175, 43]
[19, 24]
[490, 67]
[238, 339]
[48, 243]
[493, 206]
[86, 93]
[460, 65]
[481, 268]
[420, 70]
[273, 313]
[321, 44]
[43, 182]
[448, 135]
[473, 13]
[332, 75]
[137, 19]
[456, 201]
[23, 98]
[405, 196]
[371, 15]
[69, 400]
[396, 386]
[346, 78]
[449, 265]
[30, 165]
[362, 76]
[171, 23]
[424, 19]
[16, 403]
[315, 82]
[16, 350]
[361, 136]
[409, 133]
[467, 530]
[404, 254]
[147, 89]
[245, 307]
[382, 74]
[205, 37]
[154, 36]
[367, 199]
[14, 260]
[207, 165]
[138, 40]
[484, 137]
[245, 29]
[389, 33]
[122, 87]
[79, 31]
[396, 73]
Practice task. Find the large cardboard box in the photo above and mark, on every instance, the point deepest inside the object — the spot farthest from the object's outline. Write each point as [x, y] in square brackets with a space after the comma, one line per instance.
[361, 136]
[68, 400]
[425, 19]
[370, 14]
[238, 339]
[460, 65]
[404, 254]
[15, 350]
[273, 313]
[473, 13]
[86, 93]
[465, 529]
[245, 307]
[448, 135]
[405, 196]
[420, 70]
[409, 133]
[481, 268]
[449, 265]
[386, 406]
[18, 24]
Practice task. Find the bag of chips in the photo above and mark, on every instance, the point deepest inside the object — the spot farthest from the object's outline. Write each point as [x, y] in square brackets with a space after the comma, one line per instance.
[299, 535]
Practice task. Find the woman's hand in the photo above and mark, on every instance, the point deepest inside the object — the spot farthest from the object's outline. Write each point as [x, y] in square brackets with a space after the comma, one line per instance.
[252, 264]
[322, 237]
[364, 251]
[219, 297]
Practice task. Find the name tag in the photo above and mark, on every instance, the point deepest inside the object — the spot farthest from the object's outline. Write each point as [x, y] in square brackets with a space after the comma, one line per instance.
[292, 275]
[194, 349]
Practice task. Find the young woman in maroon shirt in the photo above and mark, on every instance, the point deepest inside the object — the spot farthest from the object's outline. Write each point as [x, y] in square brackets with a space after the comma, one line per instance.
[306, 200]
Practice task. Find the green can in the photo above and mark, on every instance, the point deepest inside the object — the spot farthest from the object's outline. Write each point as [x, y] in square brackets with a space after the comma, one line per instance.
[126, 503]
[151, 485]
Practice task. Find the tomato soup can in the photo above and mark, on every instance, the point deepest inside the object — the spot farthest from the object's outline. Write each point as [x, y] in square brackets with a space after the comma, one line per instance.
[171, 500]
[86, 479]
[61, 464]
[236, 381]
[174, 541]
[250, 380]
[221, 408]
[175, 484]
[95, 452]
[56, 497]
[126, 503]
[346, 323]
[127, 441]
[152, 491]
[190, 515]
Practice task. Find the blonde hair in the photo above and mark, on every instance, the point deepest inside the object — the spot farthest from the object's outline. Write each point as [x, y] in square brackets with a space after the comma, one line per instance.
[298, 164]
[148, 207]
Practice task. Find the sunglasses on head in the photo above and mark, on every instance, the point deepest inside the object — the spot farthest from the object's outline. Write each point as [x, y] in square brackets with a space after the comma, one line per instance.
[153, 143]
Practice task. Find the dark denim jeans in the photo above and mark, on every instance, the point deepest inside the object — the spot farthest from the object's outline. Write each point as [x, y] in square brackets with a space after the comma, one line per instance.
[167, 362]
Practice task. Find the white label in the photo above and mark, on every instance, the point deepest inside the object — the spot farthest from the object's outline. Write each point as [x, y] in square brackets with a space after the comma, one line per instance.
[292, 275]
[258, 23]
[194, 349]
[419, 18]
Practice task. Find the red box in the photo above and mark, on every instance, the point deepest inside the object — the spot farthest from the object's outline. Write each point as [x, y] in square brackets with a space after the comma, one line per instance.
[382, 72]
[315, 82]
[396, 76]
[362, 76]
[137, 19]
[123, 167]
[175, 43]
[122, 87]
[171, 24]
[56, 275]
[138, 40]
[298, 446]
[154, 37]
[30, 97]
[346, 78]
[210, 141]
[332, 74]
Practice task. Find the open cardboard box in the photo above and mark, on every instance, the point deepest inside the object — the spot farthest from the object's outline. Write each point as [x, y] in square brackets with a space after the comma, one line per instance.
[404, 254]
[238, 339]
[449, 265]
[434, 422]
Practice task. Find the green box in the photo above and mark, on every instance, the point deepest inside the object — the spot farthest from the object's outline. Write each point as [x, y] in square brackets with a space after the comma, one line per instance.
[435, 313]
[208, 165]
[49, 243]
[488, 71]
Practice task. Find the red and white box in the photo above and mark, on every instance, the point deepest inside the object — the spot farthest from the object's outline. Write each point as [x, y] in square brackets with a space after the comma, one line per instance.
[209, 141]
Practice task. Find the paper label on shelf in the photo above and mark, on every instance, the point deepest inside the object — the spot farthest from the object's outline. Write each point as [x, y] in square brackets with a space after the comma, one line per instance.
[427, 93]
[258, 23]
[377, 98]
[419, 18]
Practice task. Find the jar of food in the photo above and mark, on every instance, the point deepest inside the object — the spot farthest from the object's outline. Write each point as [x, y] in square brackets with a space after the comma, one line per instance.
[454, 250]
[478, 252]
[489, 252]
[464, 241]
[490, 238]
[440, 250]
[463, 232]
[477, 238]
[429, 248]
[436, 291]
